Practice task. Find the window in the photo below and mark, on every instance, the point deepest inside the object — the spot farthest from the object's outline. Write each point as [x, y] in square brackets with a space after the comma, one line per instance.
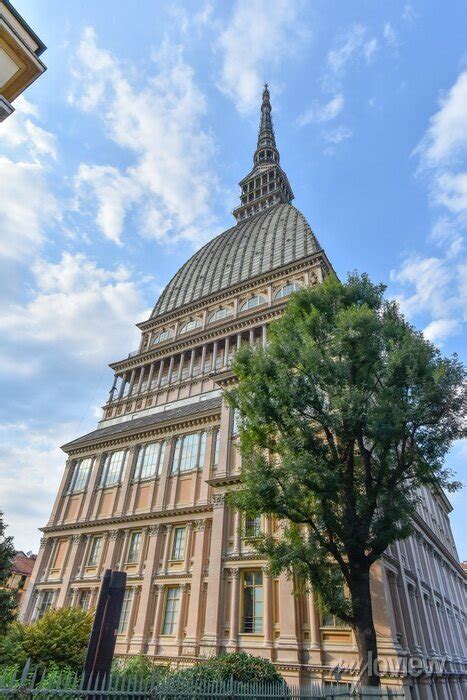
[235, 422]
[252, 302]
[190, 325]
[252, 602]
[80, 476]
[220, 314]
[163, 335]
[150, 460]
[44, 603]
[172, 603]
[84, 600]
[126, 610]
[287, 289]
[178, 547]
[332, 621]
[252, 527]
[188, 452]
[112, 467]
[94, 551]
[133, 549]
[216, 447]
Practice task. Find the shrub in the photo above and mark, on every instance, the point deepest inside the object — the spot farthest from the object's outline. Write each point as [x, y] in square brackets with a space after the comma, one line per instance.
[238, 666]
[140, 666]
[11, 646]
[59, 638]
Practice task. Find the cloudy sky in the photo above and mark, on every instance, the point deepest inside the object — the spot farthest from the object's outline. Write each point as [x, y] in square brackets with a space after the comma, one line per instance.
[125, 157]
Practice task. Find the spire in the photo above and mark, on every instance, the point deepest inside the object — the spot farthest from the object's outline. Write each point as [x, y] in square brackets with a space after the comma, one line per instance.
[267, 183]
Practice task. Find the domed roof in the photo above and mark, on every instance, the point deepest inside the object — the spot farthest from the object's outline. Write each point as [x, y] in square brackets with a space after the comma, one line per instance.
[278, 236]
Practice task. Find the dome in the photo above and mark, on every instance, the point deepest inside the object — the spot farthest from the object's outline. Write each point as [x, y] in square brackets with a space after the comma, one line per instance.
[278, 236]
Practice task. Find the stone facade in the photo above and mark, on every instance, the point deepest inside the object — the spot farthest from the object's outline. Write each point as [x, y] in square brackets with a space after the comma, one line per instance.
[145, 492]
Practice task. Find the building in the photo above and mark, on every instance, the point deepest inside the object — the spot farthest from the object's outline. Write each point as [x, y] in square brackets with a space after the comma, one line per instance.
[145, 491]
[21, 570]
[20, 64]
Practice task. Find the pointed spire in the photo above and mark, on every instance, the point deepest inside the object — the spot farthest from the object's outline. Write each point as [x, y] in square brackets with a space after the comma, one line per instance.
[267, 183]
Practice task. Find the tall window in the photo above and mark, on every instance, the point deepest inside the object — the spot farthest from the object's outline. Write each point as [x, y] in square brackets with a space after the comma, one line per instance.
[190, 325]
[172, 605]
[94, 551]
[84, 600]
[178, 547]
[287, 289]
[217, 443]
[149, 460]
[220, 314]
[252, 526]
[44, 603]
[133, 549]
[164, 335]
[252, 302]
[252, 601]
[80, 476]
[126, 610]
[330, 620]
[188, 452]
[112, 467]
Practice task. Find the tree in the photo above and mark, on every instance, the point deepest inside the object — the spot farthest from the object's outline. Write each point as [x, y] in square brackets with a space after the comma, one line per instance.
[59, 638]
[239, 666]
[8, 597]
[345, 415]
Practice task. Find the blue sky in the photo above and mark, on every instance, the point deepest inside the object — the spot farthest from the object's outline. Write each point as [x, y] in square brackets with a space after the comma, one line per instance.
[125, 157]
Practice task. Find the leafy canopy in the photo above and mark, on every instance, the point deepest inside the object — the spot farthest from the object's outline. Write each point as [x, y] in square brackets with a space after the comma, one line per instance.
[59, 638]
[345, 415]
[8, 597]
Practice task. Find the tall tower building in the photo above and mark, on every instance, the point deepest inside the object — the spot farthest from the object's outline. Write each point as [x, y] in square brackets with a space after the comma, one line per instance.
[145, 491]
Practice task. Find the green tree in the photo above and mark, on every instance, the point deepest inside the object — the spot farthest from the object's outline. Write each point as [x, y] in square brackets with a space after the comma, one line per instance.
[59, 638]
[8, 597]
[238, 666]
[345, 415]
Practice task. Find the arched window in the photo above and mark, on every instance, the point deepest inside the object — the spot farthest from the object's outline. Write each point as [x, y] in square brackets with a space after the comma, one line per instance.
[164, 335]
[252, 302]
[190, 325]
[287, 289]
[220, 314]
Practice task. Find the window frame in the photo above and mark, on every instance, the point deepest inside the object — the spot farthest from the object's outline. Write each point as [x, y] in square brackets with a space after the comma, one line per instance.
[247, 306]
[40, 609]
[169, 625]
[254, 587]
[125, 614]
[76, 472]
[177, 552]
[133, 553]
[95, 551]
[179, 458]
[280, 294]
[140, 464]
[165, 334]
[213, 317]
[106, 463]
[184, 328]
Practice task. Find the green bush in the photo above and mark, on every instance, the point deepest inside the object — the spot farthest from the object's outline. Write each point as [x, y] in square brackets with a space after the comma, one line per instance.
[11, 646]
[140, 666]
[59, 638]
[238, 666]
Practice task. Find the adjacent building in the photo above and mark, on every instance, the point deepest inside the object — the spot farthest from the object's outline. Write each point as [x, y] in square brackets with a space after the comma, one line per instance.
[146, 491]
[20, 575]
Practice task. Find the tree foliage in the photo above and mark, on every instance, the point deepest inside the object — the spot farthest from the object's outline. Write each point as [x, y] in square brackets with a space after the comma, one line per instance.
[344, 417]
[59, 638]
[8, 597]
[239, 666]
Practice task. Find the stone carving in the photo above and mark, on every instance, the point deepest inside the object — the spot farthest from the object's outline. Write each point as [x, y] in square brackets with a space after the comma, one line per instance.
[218, 500]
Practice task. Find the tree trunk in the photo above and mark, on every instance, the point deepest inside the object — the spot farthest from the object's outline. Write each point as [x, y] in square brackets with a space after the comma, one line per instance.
[364, 628]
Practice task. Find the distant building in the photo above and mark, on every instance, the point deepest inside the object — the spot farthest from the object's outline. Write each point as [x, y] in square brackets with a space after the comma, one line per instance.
[20, 65]
[146, 491]
[21, 571]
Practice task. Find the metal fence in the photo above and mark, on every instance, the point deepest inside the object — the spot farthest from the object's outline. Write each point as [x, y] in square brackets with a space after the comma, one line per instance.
[33, 683]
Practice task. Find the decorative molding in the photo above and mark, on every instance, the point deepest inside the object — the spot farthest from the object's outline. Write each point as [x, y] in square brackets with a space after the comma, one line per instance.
[218, 500]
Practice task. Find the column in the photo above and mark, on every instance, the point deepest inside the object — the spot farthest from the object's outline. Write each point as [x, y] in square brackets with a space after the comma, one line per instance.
[91, 488]
[267, 612]
[265, 335]
[252, 337]
[132, 381]
[226, 352]
[151, 372]
[144, 604]
[27, 605]
[287, 648]
[234, 610]
[239, 340]
[224, 439]
[192, 626]
[188, 544]
[124, 486]
[315, 634]
[237, 548]
[85, 549]
[50, 560]
[113, 387]
[61, 490]
[192, 363]
[214, 356]
[204, 486]
[159, 376]
[181, 617]
[168, 543]
[93, 598]
[210, 642]
[122, 386]
[75, 541]
[112, 537]
[154, 643]
[171, 369]
[180, 367]
[163, 479]
[124, 549]
[140, 380]
[203, 358]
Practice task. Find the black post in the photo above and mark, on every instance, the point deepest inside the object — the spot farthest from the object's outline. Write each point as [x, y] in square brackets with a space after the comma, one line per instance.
[101, 645]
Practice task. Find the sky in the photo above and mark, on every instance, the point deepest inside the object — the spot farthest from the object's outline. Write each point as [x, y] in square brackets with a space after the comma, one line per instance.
[124, 157]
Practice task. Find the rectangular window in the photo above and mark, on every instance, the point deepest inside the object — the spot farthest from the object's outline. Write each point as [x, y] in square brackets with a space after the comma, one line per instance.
[94, 551]
[84, 600]
[188, 452]
[80, 476]
[126, 610]
[172, 604]
[252, 527]
[149, 460]
[112, 467]
[133, 549]
[217, 443]
[45, 602]
[252, 602]
[178, 547]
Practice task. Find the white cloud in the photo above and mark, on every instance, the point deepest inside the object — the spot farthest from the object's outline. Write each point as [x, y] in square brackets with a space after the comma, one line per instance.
[27, 207]
[353, 45]
[18, 131]
[340, 133]
[389, 35]
[260, 35]
[160, 126]
[437, 331]
[322, 113]
[79, 309]
[452, 191]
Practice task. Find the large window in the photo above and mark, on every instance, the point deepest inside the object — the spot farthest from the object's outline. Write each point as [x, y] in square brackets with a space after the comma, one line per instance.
[172, 605]
[126, 611]
[163, 335]
[80, 475]
[252, 527]
[133, 549]
[252, 302]
[150, 460]
[178, 547]
[252, 602]
[112, 467]
[220, 314]
[287, 289]
[44, 603]
[217, 444]
[84, 600]
[188, 452]
[190, 325]
[94, 551]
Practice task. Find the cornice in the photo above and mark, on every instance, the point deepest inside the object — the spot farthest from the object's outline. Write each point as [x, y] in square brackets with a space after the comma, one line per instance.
[224, 480]
[437, 542]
